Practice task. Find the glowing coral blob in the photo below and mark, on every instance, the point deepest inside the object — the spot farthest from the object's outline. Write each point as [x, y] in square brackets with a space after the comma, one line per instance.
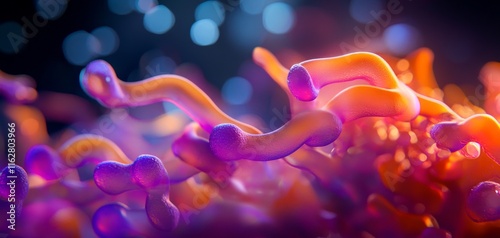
[100, 81]
[228, 142]
[147, 172]
[383, 156]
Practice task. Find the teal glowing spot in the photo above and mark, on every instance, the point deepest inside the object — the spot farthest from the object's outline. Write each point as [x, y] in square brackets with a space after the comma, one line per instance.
[212, 10]
[401, 39]
[80, 47]
[108, 40]
[278, 18]
[237, 91]
[204, 32]
[121, 7]
[159, 20]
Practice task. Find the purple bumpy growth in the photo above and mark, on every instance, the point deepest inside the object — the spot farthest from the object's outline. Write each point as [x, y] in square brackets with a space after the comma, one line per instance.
[146, 173]
[483, 202]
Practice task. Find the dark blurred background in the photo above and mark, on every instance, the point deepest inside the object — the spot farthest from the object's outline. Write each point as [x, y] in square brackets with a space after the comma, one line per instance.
[141, 38]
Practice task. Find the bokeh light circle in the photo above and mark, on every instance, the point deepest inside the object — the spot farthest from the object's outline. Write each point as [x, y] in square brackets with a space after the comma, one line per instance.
[121, 7]
[159, 19]
[80, 47]
[401, 38]
[237, 91]
[51, 9]
[108, 40]
[144, 6]
[212, 10]
[253, 6]
[204, 32]
[363, 10]
[278, 18]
